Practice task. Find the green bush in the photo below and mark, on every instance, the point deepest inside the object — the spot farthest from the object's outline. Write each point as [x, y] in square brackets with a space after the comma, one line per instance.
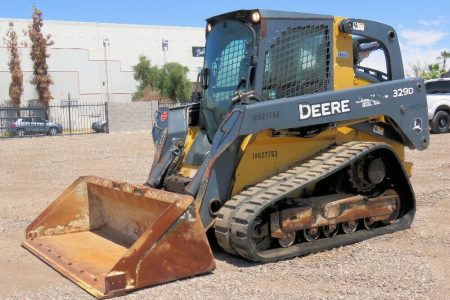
[170, 81]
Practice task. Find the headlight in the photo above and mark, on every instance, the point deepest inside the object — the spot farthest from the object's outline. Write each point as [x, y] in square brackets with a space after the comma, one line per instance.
[208, 28]
[255, 17]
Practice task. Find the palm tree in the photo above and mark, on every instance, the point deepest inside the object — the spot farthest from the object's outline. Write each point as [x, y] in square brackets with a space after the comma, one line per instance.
[444, 54]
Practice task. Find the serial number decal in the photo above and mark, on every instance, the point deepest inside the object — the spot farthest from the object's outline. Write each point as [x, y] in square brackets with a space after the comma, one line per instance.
[359, 26]
[265, 154]
[266, 116]
[343, 54]
[417, 106]
[402, 92]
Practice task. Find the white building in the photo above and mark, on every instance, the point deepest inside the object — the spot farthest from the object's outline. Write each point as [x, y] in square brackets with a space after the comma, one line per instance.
[93, 61]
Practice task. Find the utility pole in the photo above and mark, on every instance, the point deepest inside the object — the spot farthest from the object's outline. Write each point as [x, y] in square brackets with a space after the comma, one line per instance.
[106, 45]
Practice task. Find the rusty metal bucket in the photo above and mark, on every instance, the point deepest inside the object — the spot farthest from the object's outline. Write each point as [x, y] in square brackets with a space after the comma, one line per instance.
[112, 237]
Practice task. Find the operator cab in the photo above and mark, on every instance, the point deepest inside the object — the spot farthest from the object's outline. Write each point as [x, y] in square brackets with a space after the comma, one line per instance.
[258, 55]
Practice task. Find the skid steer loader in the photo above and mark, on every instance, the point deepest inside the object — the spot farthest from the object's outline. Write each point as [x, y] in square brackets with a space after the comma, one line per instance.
[292, 147]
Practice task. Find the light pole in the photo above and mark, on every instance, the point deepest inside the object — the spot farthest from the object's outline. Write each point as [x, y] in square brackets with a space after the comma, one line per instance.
[165, 47]
[106, 45]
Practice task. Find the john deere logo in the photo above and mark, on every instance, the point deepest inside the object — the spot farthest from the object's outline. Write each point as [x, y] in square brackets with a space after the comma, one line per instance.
[318, 110]
[417, 125]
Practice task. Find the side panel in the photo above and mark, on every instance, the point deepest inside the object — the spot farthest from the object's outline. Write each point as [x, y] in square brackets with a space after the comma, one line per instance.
[267, 155]
[404, 101]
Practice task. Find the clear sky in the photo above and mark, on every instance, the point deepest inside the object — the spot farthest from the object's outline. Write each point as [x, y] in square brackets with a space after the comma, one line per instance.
[423, 26]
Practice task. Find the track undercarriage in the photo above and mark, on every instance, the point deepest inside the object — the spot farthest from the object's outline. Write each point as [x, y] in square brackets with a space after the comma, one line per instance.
[346, 194]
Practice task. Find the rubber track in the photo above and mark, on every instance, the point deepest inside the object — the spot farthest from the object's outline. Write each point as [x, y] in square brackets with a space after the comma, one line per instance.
[234, 219]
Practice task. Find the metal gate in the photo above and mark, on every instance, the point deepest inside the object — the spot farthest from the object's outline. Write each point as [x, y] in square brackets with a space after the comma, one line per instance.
[65, 118]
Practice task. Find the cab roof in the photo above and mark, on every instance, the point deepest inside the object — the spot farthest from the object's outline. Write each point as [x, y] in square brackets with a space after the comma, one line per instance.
[269, 14]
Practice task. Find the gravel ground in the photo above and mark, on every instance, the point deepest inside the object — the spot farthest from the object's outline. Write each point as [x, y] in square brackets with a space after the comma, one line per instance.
[412, 264]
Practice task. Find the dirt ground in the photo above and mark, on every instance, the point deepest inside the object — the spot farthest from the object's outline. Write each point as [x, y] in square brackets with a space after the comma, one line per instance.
[412, 264]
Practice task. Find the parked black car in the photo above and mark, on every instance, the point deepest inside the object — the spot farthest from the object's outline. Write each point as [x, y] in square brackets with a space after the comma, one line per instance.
[34, 125]
[100, 126]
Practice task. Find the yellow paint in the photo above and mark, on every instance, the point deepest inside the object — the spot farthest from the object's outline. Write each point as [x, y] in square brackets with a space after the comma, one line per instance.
[190, 137]
[343, 66]
[264, 155]
[358, 81]
[187, 170]
[246, 142]
[344, 74]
